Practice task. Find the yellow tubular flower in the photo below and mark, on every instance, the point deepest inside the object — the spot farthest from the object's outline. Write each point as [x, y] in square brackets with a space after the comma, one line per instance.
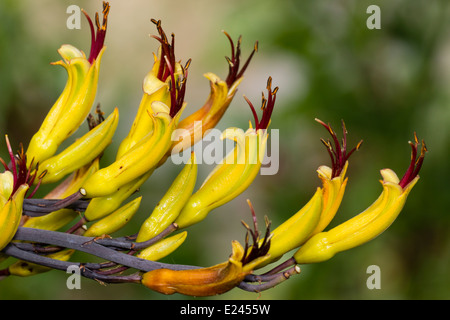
[83, 151]
[14, 185]
[333, 179]
[209, 115]
[321, 208]
[221, 94]
[6, 187]
[295, 231]
[163, 85]
[163, 247]
[115, 221]
[102, 206]
[237, 170]
[140, 159]
[371, 222]
[150, 136]
[170, 205]
[333, 192]
[10, 215]
[209, 281]
[75, 102]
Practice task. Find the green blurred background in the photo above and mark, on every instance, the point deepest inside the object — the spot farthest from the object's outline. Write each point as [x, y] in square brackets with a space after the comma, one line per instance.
[385, 84]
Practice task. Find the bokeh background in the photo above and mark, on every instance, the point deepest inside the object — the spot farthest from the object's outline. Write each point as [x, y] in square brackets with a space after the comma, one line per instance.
[385, 84]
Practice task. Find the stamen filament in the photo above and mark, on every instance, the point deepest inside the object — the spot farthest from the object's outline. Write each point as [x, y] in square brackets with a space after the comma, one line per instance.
[415, 164]
[97, 38]
[257, 250]
[13, 164]
[338, 155]
[177, 87]
[233, 63]
[267, 106]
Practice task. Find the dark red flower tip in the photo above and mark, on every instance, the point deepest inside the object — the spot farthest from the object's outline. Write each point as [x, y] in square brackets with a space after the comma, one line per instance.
[18, 167]
[177, 87]
[234, 61]
[338, 154]
[98, 38]
[258, 248]
[267, 106]
[416, 162]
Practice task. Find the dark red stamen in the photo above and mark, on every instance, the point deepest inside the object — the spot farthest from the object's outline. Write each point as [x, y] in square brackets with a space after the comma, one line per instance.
[267, 106]
[97, 38]
[255, 116]
[167, 52]
[23, 173]
[338, 154]
[177, 88]
[5, 165]
[172, 88]
[181, 88]
[257, 249]
[415, 164]
[18, 167]
[13, 163]
[233, 63]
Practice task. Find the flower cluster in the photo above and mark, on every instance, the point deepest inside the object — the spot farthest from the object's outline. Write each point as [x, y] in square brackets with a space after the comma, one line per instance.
[89, 202]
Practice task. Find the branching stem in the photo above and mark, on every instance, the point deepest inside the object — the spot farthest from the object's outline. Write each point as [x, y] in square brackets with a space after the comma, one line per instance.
[269, 281]
[92, 246]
